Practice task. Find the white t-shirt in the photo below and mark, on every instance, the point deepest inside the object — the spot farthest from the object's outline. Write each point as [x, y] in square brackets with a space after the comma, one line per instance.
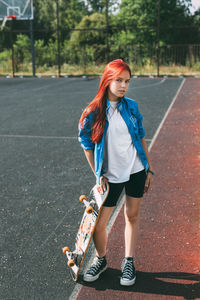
[120, 156]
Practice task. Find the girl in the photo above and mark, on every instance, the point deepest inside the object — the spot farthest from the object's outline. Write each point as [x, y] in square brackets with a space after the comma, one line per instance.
[112, 136]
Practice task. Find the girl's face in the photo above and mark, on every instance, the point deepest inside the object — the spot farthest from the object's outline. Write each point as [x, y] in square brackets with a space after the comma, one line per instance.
[119, 86]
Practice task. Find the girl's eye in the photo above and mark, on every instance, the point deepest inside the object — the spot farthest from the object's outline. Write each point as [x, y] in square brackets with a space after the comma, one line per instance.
[120, 80]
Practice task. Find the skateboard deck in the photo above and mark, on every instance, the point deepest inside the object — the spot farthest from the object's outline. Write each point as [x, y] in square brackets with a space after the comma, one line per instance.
[86, 229]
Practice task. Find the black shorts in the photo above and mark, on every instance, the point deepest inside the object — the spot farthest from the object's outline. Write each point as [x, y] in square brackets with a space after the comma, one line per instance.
[133, 188]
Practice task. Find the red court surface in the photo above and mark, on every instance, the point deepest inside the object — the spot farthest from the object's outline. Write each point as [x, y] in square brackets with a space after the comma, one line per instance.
[168, 252]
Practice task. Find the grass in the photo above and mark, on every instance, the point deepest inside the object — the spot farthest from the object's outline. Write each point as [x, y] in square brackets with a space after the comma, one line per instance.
[96, 70]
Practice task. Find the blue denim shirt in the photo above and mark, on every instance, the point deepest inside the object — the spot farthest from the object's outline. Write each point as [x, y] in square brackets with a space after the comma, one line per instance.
[133, 119]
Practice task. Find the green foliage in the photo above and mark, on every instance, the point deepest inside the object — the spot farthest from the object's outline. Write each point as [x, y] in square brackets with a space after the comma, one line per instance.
[22, 50]
[5, 61]
[140, 17]
[132, 33]
[95, 5]
[196, 67]
[70, 13]
[88, 40]
[46, 54]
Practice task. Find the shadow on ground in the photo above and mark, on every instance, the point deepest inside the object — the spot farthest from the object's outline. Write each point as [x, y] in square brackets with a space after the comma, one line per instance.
[186, 285]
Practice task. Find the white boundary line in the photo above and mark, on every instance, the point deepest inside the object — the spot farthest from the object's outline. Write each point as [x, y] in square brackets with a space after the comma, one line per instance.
[148, 85]
[148, 140]
[165, 116]
[39, 137]
[78, 286]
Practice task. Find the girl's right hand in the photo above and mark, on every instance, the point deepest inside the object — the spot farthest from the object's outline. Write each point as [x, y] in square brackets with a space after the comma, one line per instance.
[101, 188]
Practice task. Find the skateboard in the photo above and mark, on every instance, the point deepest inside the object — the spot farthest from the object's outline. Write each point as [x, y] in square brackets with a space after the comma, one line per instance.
[86, 229]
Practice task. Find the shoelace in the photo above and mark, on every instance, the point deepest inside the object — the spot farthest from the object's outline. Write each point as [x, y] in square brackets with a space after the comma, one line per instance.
[95, 266]
[128, 269]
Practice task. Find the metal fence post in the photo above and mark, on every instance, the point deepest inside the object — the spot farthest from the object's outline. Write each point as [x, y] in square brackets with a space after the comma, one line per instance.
[107, 32]
[158, 40]
[32, 47]
[12, 49]
[58, 37]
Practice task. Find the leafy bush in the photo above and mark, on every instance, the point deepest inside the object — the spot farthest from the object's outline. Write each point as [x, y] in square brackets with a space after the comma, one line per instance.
[88, 45]
[5, 60]
[22, 50]
[45, 54]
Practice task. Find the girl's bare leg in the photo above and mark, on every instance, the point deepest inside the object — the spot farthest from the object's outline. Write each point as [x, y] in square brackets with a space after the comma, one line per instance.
[100, 235]
[131, 213]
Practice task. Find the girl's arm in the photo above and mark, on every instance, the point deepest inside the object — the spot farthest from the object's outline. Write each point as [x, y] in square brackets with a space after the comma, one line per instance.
[90, 158]
[146, 150]
[103, 180]
[149, 179]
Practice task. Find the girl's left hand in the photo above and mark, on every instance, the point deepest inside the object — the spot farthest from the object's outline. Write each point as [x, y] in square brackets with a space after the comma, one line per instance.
[102, 187]
[148, 182]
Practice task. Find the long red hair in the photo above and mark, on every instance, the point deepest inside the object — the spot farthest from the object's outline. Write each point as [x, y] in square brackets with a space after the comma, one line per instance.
[98, 104]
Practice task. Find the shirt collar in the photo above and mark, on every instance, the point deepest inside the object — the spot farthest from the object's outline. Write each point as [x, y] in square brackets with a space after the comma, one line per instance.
[108, 104]
[118, 105]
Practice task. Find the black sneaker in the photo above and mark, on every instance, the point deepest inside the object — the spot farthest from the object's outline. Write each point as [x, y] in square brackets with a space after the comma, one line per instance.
[99, 265]
[128, 272]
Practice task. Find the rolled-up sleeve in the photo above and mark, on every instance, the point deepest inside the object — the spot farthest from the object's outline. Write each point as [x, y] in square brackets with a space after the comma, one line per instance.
[84, 135]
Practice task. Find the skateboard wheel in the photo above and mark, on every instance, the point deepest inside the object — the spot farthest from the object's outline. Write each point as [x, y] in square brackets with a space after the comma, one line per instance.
[82, 197]
[71, 263]
[89, 210]
[65, 249]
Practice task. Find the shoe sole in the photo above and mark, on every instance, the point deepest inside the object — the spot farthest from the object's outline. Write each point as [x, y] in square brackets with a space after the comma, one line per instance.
[127, 282]
[93, 278]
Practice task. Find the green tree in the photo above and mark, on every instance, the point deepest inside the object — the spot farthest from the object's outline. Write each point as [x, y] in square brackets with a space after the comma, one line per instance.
[141, 18]
[100, 5]
[196, 22]
[176, 22]
[95, 5]
[70, 14]
[88, 39]
[22, 51]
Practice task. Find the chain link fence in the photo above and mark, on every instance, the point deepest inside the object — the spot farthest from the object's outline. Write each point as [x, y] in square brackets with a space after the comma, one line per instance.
[29, 54]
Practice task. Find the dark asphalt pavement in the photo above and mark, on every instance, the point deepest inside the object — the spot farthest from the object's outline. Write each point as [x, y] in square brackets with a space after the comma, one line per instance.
[43, 173]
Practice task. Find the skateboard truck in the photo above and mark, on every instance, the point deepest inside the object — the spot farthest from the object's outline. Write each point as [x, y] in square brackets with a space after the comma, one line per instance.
[71, 261]
[89, 208]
